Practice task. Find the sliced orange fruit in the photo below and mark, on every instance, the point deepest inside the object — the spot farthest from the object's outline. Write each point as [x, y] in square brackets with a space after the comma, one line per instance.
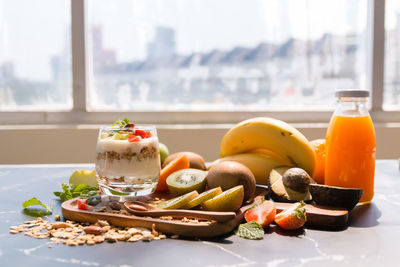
[180, 163]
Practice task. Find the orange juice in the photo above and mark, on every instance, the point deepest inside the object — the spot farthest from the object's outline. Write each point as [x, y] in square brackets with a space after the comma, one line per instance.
[350, 154]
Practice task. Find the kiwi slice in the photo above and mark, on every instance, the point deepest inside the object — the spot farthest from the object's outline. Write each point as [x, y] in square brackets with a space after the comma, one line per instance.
[229, 200]
[186, 180]
[178, 202]
[203, 197]
[119, 136]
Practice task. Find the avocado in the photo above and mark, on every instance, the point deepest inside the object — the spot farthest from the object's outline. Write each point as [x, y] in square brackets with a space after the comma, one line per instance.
[288, 185]
[335, 196]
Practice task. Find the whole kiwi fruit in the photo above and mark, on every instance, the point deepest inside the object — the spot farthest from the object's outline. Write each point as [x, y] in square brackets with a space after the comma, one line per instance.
[228, 174]
[195, 160]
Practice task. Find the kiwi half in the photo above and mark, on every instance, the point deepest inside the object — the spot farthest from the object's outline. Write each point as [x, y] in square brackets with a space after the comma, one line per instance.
[178, 202]
[186, 180]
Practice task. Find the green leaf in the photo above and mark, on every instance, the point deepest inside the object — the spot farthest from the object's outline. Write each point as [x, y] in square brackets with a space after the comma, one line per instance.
[31, 202]
[79, 190]
[36, 212]
[300, 211]
[121, 123]
[88, 194]
[67, 193]
[83, 188]
[251, 230]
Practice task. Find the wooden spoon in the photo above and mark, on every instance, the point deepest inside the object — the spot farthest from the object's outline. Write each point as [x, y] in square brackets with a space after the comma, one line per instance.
[144, 209]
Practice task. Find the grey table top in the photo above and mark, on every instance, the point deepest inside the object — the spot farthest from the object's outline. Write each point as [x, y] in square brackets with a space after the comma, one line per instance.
[370, 239]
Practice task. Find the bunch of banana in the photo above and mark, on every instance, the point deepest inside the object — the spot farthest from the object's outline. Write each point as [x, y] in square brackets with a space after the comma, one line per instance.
[265, 143]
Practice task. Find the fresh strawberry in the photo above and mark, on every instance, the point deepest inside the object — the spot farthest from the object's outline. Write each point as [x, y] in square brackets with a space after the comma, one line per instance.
[143, 134]
[83, 204]
[134, 138]
[293, 217]
[140, 133]
[263, 213]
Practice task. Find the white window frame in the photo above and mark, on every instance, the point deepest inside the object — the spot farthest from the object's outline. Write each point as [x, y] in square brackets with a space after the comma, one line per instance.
[80, 115]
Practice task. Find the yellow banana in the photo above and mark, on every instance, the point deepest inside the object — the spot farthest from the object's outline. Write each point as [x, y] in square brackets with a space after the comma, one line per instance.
[274, 135]
[260, 164]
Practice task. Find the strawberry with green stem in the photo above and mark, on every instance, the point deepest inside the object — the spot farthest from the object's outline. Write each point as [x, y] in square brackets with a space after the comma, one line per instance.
[293, 217]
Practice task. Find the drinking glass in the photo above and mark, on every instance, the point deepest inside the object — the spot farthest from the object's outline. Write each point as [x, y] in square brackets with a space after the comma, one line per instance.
[128, 160]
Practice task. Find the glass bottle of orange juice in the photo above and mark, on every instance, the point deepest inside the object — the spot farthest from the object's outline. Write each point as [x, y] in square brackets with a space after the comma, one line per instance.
[351, 144]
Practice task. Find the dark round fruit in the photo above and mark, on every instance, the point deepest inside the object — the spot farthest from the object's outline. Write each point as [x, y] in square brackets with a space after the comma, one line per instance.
[186, 180]
[228, 174]
[278, 191]
[296, 179]
[196, 161]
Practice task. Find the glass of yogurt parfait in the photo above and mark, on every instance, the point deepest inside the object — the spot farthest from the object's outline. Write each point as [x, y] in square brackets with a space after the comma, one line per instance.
[128, 160]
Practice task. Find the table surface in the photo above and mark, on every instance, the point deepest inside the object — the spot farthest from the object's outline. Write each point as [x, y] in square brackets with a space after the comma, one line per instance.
[370, 239]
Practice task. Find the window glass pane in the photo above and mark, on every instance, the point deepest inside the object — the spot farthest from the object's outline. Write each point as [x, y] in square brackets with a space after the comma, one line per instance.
[224, 54]
[35, 55]
[391, 96]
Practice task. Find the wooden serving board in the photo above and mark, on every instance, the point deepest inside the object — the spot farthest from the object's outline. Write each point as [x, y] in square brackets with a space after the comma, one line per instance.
[317, 216]
[70, 211]
[321, 216]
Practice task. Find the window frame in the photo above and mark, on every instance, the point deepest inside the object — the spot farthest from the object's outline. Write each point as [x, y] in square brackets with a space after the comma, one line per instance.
[80, 115]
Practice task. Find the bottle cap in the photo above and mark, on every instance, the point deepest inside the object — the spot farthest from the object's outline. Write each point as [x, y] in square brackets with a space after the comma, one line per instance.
[352, 93]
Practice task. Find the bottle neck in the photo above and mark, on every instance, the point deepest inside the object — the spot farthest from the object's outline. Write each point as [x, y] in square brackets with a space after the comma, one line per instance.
[352, 106]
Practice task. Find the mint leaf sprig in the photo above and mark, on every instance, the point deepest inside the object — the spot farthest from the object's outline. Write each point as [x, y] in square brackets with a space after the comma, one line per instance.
[36, 212]
[80, 190]
[122, 123]
[251, 230]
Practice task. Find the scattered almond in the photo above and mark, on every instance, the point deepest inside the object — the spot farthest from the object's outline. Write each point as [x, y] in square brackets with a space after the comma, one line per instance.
[137, 207]
[61, 225]
[103, 223]
[75, 234]
[94, 230]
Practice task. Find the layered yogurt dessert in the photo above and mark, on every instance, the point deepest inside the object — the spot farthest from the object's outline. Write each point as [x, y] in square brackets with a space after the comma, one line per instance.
[128, 159]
